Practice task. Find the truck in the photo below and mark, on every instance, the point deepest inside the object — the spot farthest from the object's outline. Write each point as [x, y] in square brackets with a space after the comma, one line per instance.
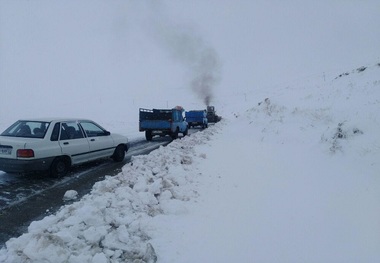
[196, 118]
[212, 117]
[162, 122]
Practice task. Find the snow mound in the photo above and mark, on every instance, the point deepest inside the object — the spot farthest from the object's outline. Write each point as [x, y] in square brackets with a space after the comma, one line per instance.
[107, 225]
[70, 195]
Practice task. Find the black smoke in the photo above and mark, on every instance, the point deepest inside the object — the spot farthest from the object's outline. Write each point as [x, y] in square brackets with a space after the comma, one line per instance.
[200, 60]
[206, 75]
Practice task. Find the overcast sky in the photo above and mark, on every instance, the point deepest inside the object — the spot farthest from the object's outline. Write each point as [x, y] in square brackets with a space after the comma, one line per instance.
[64, 57]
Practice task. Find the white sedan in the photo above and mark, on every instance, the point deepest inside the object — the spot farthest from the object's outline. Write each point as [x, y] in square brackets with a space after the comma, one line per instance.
[55, 145]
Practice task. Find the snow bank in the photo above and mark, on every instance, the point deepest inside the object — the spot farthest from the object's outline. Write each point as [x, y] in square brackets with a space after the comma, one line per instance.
[106, 225]
[282, 183]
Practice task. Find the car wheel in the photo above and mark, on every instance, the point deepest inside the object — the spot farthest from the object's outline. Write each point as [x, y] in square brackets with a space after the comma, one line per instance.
[59, 167]
[119, 153]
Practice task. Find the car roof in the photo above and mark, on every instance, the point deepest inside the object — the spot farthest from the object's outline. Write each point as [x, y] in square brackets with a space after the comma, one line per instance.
[46, 119]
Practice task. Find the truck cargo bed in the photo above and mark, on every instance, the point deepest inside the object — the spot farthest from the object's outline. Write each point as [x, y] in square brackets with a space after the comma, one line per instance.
[154, 124]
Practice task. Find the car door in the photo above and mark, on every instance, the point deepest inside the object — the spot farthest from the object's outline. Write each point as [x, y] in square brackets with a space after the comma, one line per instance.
[100, 141]
[73, 142]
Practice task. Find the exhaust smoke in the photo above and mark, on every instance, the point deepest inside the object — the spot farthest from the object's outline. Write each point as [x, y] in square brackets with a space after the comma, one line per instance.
[205, 75]
[200, 60]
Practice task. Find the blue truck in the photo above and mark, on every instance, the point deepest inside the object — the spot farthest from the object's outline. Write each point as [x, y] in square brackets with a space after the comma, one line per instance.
[196, 118]
[162, 122]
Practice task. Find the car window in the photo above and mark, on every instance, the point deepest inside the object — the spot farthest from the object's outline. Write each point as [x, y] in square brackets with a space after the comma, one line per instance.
[70, 131]
[92, 129]
[27, 129]
[55, 134]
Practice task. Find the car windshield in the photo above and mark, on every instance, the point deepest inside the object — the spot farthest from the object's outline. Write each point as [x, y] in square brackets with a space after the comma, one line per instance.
[27, 129]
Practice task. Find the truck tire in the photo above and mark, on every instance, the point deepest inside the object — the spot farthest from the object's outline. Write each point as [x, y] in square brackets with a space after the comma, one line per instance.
[148, 135]
[174, 135]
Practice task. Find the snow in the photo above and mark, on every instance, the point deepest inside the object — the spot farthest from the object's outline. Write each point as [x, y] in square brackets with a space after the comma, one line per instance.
[271, 183]
[291, 173]
[70, 195]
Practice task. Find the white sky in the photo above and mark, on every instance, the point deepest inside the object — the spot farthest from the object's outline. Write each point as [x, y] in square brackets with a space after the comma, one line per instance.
[82, 55]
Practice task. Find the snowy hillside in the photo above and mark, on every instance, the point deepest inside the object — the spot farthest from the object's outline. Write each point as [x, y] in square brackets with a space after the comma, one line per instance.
[289, 175]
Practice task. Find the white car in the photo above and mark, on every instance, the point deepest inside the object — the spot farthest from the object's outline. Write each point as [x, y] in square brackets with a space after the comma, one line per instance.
[55, 145]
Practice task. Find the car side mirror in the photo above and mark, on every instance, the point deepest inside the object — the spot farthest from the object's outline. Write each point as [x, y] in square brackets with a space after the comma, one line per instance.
[107, 133]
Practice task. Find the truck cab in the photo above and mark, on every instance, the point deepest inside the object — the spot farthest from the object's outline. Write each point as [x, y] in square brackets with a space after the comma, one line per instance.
[212, 117]
[162, 122]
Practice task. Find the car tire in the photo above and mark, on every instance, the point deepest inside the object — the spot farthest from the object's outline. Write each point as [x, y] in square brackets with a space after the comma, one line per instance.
[59, 167]
[119, 153]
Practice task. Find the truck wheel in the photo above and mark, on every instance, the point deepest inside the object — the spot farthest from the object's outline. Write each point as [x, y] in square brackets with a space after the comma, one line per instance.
[174, 135]
[59, 167]
[148, 135]
[119, 153]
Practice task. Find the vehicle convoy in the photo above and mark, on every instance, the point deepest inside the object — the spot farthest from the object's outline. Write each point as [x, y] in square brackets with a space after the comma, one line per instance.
[54, 145]
[196, 118]
[162, 122]
[212, 117]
